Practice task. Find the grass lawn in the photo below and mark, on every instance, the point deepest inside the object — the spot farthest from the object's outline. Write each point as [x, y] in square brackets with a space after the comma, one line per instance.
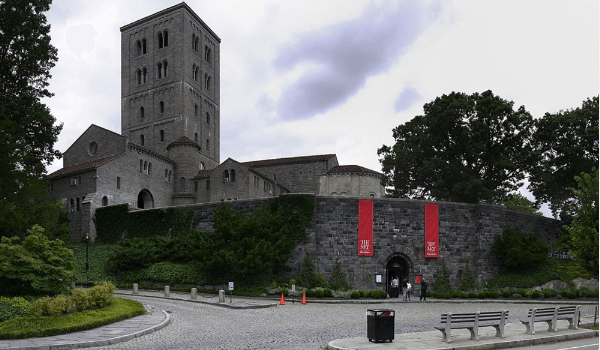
[44, 326]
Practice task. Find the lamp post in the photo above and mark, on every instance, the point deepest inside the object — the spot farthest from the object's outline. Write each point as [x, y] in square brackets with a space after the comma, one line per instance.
[87, 252]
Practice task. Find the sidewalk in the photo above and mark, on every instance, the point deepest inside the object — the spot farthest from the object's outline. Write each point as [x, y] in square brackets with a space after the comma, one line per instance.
[514, 337]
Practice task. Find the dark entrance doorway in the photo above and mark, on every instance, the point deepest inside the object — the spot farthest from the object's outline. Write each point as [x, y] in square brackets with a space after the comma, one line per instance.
[145, 200]
[396, 268]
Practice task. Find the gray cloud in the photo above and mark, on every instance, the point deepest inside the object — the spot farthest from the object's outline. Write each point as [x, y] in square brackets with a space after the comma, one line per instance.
[341, 57]
[406, 99]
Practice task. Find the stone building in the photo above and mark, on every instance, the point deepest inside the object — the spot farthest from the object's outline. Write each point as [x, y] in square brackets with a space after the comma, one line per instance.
[168, 152]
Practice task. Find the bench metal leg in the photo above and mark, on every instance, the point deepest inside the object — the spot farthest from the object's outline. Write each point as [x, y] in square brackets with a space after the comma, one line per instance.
[574, 322]
[447, 333]
[500, 328]
[475, 330]
[552, 325]
[531, 325]
[445, 340]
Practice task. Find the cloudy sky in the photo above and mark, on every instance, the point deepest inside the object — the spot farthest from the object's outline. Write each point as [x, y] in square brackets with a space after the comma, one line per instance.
[336, 76]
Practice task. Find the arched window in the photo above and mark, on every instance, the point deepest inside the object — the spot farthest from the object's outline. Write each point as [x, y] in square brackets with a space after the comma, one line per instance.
[165, 69]
[166, 38]
[104, 201]
[207, 118]
[161, 107]
[201, 165]
[160, 68]
[182, 184]
[72, 205]
[138, 48]
[78, 206]
[149, 168]
[139, 76]
[166, 175]
[141, 165]
[301, 175]
[207, 81]
[226, 175]
[232, 175]
[143, 46]
[170, 172]
[207, 144]
[162, 135]
[145, 167]
[310, 174]
[195, 72]
[196, 137]
[195, 41]
[160, 40]
[141, 112]
[144, 73]
[142, 139]
[195, 109]
[207, 55]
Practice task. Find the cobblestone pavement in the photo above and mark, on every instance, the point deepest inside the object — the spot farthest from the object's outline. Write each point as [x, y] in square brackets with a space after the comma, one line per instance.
[289, 326]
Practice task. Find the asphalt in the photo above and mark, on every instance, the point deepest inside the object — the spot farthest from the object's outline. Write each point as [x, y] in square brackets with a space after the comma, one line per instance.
[157, 319]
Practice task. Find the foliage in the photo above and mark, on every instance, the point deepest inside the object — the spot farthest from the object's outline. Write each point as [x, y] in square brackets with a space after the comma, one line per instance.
[35, 266]
[566, 145]
[564, 270]
[111, 221]
[100, 295]
[583, 231]
[41, 326]
[308, 272]
[518, 202]
[442, 281]
[465, 148]
[338, 280]
[26, 124]
[378, 294]
[12, 307]
[99, 256]
[519, 250]
[40, 306]
[171, 273]
[355, 294]
[467, 282]
[59, 305]
[80, 299]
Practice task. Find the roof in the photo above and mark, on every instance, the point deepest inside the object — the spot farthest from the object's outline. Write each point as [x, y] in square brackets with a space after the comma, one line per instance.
[183, 141]
[94, 164]
[352, 169]
[291, 160]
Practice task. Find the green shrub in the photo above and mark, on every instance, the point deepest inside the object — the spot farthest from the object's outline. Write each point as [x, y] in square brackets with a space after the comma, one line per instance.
[472, 295]
[482, 294]
[505, 293]
[462, 295]
[536, 294]
[338, 280]
[467, 281]
[442, 282]
[378, 294]
[59, 305]
[363, 293]
[80, 299]
[13, 307]
[283, 291]
[447, 295]
[172, 273]
[310, 293]
[40, 306]
[355, 294]
[101, 295]
[519, 250]
[319, 293]
[492, 294]
[327, 293]
[548, 293]
[589, 292]
[517, 296]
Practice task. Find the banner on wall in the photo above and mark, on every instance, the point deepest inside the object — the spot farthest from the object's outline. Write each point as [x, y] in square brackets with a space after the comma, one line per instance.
[432, 230]
[365, 228]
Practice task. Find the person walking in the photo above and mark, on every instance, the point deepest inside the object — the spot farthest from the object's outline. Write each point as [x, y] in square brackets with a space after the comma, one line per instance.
[408, 290]
[423, 290]
[404, 288]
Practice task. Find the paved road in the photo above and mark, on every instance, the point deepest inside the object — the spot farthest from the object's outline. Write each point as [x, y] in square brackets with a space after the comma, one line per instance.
[290, 326]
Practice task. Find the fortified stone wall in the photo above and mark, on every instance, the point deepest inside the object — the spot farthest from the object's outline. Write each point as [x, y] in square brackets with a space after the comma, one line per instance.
[466, 234]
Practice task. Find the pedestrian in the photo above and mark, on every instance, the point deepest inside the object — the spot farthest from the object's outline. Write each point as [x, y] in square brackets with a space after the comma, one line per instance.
[408, 290]
[404, 288]
[423, 290]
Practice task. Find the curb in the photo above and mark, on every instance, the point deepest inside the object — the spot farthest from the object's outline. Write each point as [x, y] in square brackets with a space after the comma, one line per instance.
[528, 342]
[225, 305]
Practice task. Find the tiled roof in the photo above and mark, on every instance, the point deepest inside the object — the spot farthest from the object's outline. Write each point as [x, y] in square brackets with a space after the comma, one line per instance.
[204, 173]
[183, 141]
[352, 169]
[291, 160]
[94, 164]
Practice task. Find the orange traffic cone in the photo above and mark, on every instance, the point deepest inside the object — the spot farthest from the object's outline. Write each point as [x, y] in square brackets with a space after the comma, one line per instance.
[282, 302]
[303, 298]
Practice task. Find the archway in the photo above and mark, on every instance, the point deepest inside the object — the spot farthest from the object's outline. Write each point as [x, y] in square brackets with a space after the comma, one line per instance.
[396, 267]
[145, 200]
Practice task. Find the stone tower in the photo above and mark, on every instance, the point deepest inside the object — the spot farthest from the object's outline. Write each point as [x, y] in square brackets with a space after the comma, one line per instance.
[170, 90]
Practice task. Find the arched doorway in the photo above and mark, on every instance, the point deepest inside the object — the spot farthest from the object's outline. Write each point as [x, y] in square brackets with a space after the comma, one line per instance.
[145, 200]
[397, 267]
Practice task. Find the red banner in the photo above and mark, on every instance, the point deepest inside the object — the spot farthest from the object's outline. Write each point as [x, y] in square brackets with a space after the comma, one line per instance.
[432, 230]
[365, 228]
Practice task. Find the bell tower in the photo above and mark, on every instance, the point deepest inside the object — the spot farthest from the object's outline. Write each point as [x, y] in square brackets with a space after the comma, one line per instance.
[170, 87]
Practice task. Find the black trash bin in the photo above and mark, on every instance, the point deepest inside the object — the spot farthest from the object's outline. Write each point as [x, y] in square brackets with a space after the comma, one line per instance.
[380, 324]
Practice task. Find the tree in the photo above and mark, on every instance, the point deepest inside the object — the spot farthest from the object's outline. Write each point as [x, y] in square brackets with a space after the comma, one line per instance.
[566, 144]
[36, 265]
[27, 127]
[467, 281]
[465, 148]
[518, 202]
[583, 231]
[338, 280]
[519, 250]
[308, 272]
[442, 280]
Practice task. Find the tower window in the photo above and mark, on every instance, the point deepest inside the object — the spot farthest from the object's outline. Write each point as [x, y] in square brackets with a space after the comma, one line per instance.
[160, 40]
[144, 73]
[166, 38]
[195, 109]
[207, 144]
[207, 118]
[138, 48]
[165, 69]
[196, 137]
[195, 72]
[161, 107]
[232, 175]
[225, 175]
[104, 201]
[207, 81]
[139, 76]
[201, 165]
[142, 139]
[143, 46]
[207, 54]
[182, 184]
[141, 112]
[162, 135]
[118, 182]
[159, 69]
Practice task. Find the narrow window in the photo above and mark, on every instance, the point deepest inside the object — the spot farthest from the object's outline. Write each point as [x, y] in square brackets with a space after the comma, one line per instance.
[232, 175]
[208, 184]
[149, 168]
[207, 54]
[225, 175]
[141, 165]
[72, 205]
[159, 70]
[201, 165]
[142, 139]
[166, 38]
[310, 174]
[196, 137]
[160, 40]
[195, 186]
[138, 48]
[166, 175]
[139, 76]
[165, 69]
[161, 107]
[207, 81]
[104, 201]
[141, 112]
[143, 46]
[194, 42]
[145, 167]
[170, 172]
[77, 200]
[274, 177]
[182, 184]
[196, 109]
[207, 144]
[207, 118]
[144, 74]
[162, 135]
[301, 175]
[118, 182]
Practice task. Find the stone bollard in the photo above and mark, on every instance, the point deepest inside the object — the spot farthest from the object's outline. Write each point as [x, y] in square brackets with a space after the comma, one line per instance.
[167, 292]
[194, 293]
[135, 289]
[221, 296]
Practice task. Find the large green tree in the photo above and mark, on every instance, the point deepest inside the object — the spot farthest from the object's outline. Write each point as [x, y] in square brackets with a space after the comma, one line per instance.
[567, 145]
[464, 148]
[28, 128]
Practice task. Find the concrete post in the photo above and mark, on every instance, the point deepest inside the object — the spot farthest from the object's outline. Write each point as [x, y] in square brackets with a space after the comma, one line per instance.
[167, 292]
[221, 296]
[194, 293]
[135, 289]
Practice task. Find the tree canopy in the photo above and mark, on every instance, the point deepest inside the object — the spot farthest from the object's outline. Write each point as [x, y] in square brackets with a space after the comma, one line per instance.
[566, 145]
[464, 148]
[26, 124]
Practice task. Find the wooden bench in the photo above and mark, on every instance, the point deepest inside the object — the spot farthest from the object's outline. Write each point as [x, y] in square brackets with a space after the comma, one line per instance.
[472, 322]
[551, 315]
